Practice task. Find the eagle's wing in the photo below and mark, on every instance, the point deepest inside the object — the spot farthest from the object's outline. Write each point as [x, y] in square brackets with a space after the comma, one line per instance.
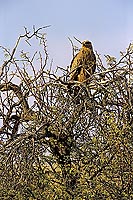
[89, 63]
[75, 67]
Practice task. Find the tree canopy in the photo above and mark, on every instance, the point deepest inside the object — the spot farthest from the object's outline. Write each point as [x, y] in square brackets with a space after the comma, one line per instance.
[52, 147]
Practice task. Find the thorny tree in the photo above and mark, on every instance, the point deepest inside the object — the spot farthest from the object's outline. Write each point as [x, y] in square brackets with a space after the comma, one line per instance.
[54, 148]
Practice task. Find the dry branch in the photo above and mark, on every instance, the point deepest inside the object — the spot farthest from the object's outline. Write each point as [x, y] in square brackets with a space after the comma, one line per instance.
[83, 150]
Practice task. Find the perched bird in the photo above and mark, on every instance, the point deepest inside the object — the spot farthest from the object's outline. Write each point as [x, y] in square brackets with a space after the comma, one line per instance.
[84, 63]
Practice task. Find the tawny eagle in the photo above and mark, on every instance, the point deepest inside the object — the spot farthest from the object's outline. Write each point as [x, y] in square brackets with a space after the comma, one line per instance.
[83, 64]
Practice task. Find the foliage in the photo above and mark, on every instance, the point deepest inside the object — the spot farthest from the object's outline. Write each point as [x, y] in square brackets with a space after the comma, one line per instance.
[54, 145]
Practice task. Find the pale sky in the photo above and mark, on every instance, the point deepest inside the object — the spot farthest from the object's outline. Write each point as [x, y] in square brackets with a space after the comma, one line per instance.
[107, 23]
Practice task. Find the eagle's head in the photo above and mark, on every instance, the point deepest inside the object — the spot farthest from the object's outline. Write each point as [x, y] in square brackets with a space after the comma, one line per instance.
[87, 44]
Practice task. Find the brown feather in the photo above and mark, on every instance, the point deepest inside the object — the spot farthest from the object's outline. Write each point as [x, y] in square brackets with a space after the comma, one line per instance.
[83, 64]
